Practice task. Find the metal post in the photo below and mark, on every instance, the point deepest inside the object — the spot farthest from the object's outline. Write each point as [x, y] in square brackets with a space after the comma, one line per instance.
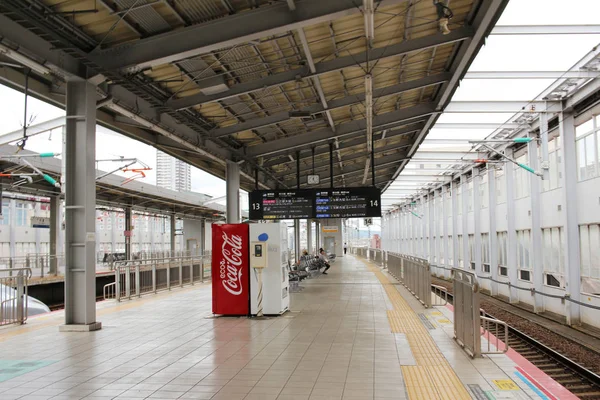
[137, 280]
[172, 248]
[544, 145]
[113, 232]
[233, 192]
[536, 227]
[493, 234]
[512, 232]
[298, 169]
[181, 271]
[54, 228]
[477, 221]
[455, 244]
[445, 190]
[571, 227]
[117, 284]
[373, 160]
[424, 219]
[80, 206]
[154, 276]
[128, 282]
[128, 234]
[309, 236]
[331, 164]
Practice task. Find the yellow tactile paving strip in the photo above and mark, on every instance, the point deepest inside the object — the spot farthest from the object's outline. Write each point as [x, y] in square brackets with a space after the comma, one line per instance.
[432, 377]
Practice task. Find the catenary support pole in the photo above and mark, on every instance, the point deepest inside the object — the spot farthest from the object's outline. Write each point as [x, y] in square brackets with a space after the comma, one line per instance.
[464, 199]
[455, 244]
[80, 208]
[492, 198]
[536, 226]
[233, 192]
[477, 220]
[571, 226]
[445, 190]
[511, 247]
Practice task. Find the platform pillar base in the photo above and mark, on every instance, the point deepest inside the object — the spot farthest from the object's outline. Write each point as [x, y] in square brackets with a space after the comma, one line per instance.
[96, 326]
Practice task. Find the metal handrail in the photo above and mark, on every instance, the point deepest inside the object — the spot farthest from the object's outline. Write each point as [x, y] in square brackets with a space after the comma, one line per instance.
[18, 311]
[133, 278]
[490, 324]
[441, 290]
[107, 289]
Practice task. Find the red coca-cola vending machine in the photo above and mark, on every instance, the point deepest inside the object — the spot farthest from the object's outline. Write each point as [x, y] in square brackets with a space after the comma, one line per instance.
[230, 269]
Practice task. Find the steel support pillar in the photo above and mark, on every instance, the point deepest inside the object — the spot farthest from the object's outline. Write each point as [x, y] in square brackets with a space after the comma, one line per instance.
[297, 248]
[464, 198]
[55, 226]
[233, 192]
[545, 164]
[113, 231]
[492, 233]
[80, 208]
[36, 212]
[129, 234]
[477, 221]
[455, 244]
[511, 250]
[446, 264]
[536, 226]
[12, 224]
[309, 240]
[173, 222]
[571, 227]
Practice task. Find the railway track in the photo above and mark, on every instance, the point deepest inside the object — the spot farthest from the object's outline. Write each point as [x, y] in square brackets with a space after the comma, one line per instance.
[577, 379]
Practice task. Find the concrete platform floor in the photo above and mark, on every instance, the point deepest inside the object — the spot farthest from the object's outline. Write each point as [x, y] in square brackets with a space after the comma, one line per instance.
[336, 342]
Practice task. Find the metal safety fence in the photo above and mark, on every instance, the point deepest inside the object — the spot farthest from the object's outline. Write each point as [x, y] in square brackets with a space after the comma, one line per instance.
[470, 322]
[133, 278]
[414, 273]
[14, 284]
[41, 265]
[376, 255]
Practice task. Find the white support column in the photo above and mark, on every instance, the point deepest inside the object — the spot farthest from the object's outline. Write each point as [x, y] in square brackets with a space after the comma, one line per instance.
[424, 227]
[465, 221]
[233, 192]
[455, 244]
[493, 234]
[432, 231]
[12, 224]
[80, 208]
[172, 221]
[414, 221]
[113, 231]
[511, 250]
[128, 225]
[401, 234]
[569, 207]
[38, 241]
[309, 246]
[477, 220]
[446, 264]
[536, 226]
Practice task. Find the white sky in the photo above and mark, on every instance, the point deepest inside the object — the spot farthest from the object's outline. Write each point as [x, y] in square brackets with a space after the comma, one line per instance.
[501, 53]
[516, 53]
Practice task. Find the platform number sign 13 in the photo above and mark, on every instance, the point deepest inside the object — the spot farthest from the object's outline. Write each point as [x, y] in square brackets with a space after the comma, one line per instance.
[368, 221]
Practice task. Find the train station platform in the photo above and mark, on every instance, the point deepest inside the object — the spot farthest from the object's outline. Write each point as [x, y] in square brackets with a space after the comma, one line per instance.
[352, 334]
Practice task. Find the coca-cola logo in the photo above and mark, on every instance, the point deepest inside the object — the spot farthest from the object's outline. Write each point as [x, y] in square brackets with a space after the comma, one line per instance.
[229, 267]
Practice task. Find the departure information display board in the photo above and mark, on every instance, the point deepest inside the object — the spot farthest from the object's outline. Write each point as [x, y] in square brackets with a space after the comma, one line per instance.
[315, 203]
[281, 204]
[348, 202]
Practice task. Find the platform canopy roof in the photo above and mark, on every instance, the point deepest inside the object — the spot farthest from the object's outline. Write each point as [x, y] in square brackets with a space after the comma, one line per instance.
[263, 83]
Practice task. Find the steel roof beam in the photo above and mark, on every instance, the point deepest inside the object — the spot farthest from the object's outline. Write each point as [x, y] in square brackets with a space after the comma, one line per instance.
[449, 156]
[384, 162]
[234, 30]
[358, 141]
[325, 67]
[350, 157]
[382, 121]
[477, 125]
[532, 75]
[509, 107]
[333, 104]
[546, 30]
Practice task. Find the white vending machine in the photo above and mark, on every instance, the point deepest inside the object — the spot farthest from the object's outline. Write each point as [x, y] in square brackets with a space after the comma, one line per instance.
[275, 282]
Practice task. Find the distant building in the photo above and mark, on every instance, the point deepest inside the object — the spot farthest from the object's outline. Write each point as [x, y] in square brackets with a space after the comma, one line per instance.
[172, 173]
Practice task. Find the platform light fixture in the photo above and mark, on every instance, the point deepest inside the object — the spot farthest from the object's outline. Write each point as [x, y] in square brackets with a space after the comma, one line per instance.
[25, 61]
[444, 14]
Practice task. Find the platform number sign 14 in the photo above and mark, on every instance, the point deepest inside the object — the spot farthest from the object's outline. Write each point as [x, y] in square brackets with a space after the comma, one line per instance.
[368, 221]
